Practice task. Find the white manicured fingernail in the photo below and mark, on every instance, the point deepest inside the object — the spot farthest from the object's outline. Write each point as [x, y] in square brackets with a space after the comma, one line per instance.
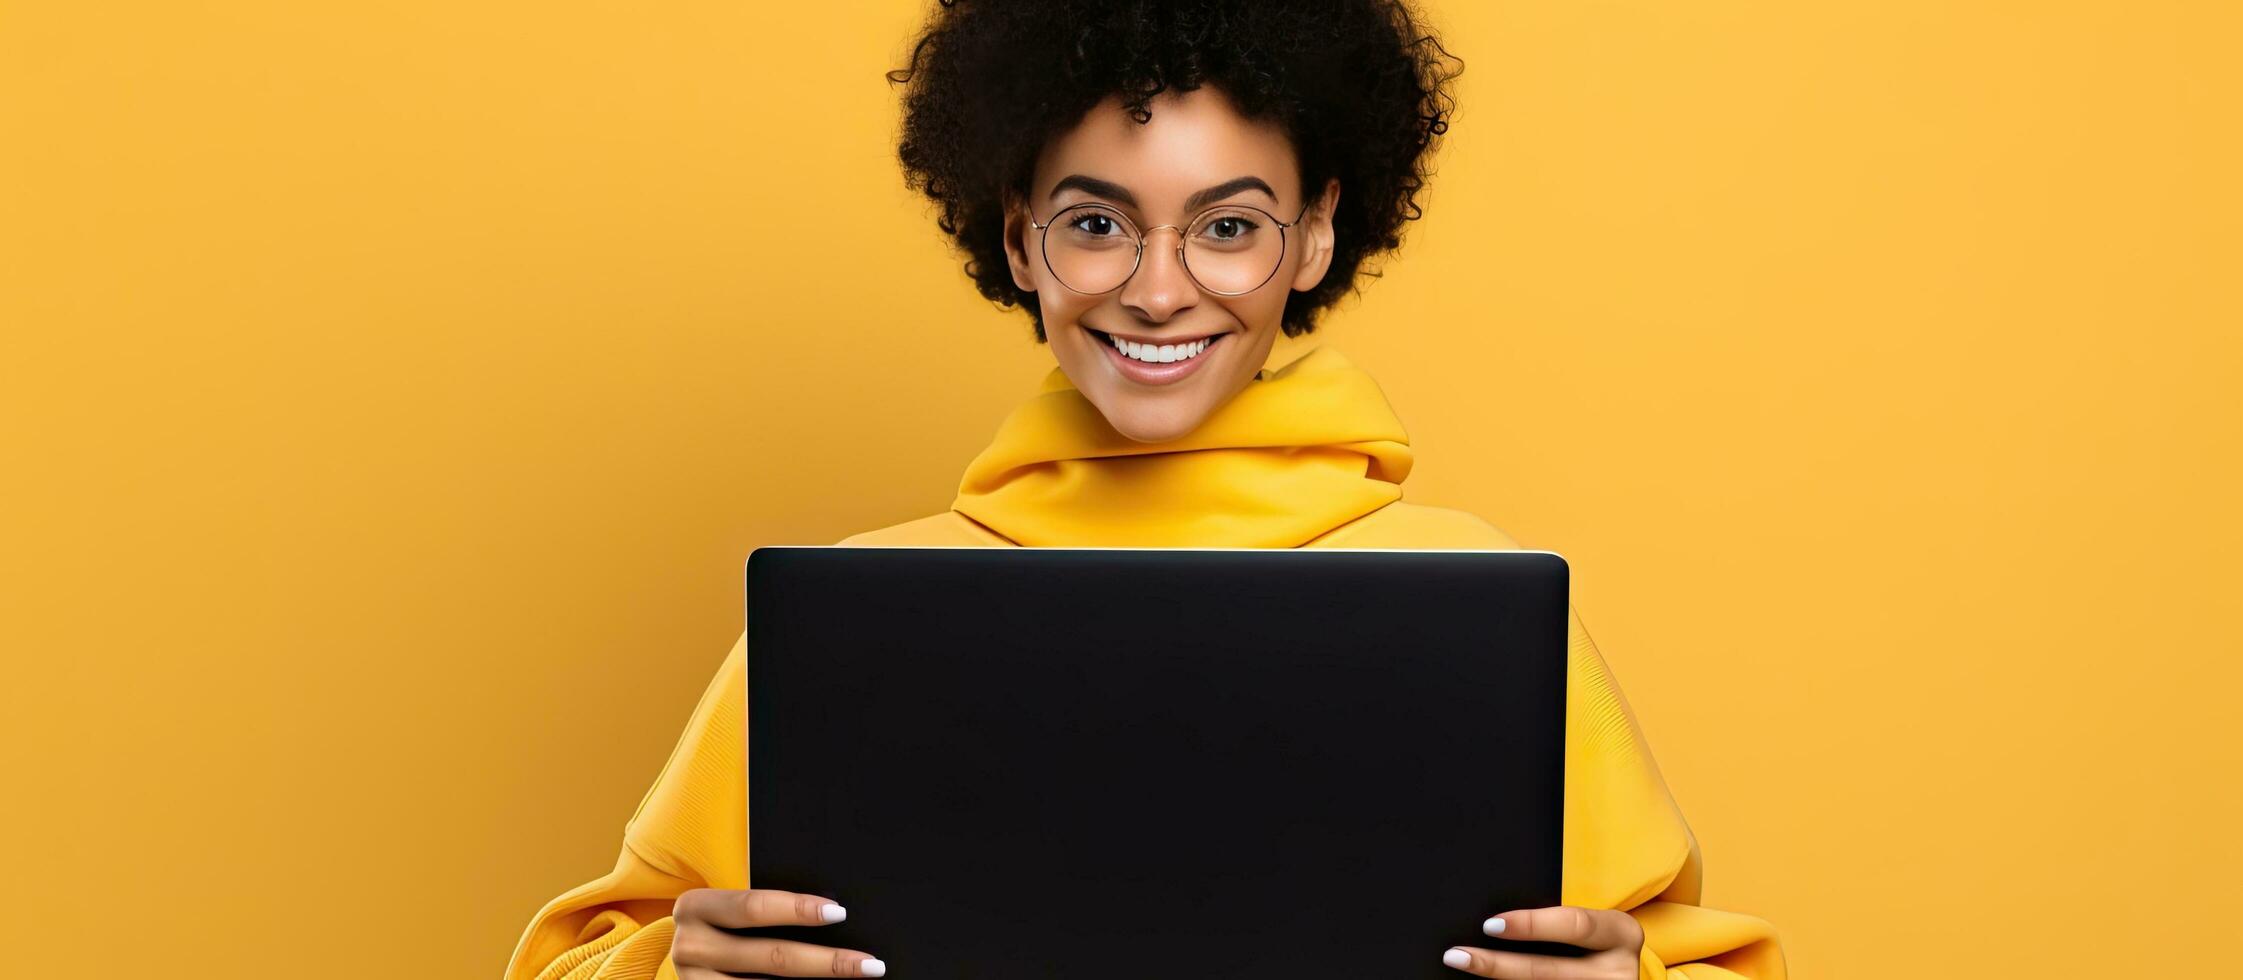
[1493, 926]
[1457, 958]
[872, 968]
[832, 913]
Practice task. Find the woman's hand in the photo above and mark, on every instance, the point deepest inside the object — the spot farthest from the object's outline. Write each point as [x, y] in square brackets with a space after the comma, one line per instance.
[1614, 939]
[705, 947]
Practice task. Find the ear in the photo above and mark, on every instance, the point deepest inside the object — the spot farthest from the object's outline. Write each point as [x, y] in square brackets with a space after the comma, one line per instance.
[1016, 247]
[1317, 239]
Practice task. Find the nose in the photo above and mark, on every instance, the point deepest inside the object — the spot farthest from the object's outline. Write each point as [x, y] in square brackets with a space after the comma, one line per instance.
[1160, 287]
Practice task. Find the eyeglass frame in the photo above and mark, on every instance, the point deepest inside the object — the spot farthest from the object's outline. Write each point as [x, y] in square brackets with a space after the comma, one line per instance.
[1284, 244]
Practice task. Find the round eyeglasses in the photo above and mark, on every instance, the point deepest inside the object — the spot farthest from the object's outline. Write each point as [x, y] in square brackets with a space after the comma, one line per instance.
[1228, 250]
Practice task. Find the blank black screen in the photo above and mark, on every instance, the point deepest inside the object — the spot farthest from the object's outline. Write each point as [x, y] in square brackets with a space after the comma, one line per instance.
[1016, 763]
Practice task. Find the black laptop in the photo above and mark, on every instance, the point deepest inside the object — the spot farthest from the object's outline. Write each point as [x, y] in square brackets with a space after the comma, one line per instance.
[1094, 763]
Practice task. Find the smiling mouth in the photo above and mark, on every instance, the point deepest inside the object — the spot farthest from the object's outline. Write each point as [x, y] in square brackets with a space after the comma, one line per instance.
[1157, 353]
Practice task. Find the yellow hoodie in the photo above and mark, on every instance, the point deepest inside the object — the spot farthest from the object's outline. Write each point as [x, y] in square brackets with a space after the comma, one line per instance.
[1309, 455]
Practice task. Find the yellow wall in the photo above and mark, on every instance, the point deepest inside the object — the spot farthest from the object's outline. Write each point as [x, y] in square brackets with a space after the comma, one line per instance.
[389, 394]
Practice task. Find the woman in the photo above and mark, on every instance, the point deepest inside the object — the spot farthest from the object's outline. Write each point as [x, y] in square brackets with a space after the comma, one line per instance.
[1163, 187]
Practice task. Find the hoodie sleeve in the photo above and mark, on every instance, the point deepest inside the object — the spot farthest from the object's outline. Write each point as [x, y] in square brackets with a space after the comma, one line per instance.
[1628, 847]
[690, 831]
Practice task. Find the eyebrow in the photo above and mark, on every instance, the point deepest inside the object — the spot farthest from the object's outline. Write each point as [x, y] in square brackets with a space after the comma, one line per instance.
[1116, 192]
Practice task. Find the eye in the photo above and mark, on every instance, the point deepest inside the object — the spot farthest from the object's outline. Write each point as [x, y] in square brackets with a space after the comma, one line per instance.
[1095, 224]
[1230, 227]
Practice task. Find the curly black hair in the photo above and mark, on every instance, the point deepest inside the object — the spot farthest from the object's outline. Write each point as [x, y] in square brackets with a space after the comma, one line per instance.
[1360, 88]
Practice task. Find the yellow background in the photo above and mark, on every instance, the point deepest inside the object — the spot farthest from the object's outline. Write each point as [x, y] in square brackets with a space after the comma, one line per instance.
[389, 394]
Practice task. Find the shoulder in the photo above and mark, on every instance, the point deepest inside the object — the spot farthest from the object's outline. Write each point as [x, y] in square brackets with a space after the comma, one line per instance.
[1406, 525]
[1461, 525]
[948, 528]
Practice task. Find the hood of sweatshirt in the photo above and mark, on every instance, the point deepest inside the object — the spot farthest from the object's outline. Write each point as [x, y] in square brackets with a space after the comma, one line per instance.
[1300, 450]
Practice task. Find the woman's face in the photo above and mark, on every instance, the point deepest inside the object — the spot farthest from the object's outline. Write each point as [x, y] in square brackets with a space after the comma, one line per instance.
[1196, 152]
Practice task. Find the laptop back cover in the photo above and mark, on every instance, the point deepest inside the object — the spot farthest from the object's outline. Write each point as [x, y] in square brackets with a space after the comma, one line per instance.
[1107, 763]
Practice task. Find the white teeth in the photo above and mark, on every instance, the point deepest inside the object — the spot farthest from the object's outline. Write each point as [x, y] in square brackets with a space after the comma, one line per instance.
[1162, 354]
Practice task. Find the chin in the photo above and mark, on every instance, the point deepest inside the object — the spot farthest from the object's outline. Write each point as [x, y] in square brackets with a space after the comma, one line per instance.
[1151, 427]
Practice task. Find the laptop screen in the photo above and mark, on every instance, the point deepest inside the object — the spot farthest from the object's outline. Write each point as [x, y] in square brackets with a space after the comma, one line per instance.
[1105, 763]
